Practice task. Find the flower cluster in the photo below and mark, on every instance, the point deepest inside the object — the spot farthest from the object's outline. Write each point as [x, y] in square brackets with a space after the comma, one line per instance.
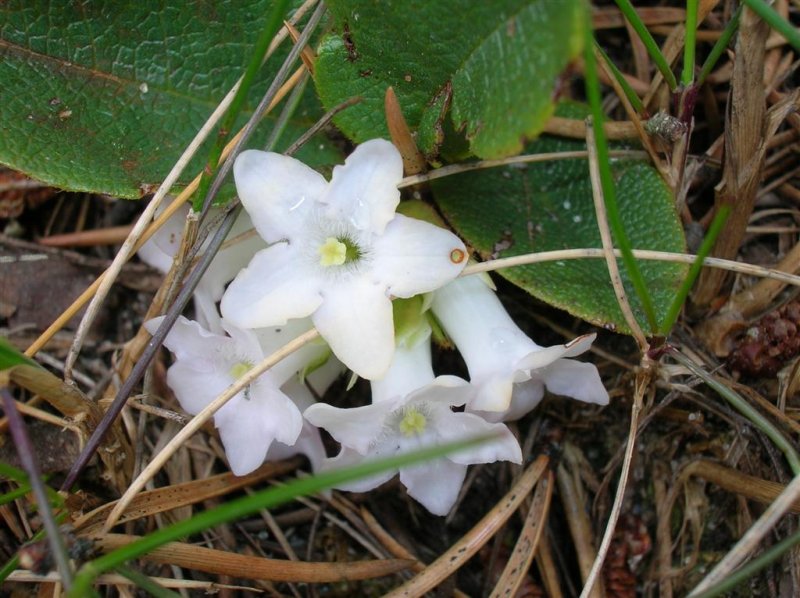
[336, 255]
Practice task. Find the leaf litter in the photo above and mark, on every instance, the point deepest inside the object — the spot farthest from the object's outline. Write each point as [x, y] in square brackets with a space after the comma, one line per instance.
[701, 473]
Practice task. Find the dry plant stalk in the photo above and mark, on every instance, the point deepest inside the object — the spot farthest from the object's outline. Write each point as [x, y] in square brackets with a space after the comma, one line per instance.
[254, 567]
[744, 133]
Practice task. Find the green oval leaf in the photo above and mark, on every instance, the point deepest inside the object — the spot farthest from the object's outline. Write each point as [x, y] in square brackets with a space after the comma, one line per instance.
[104, 96]
[548, 206]
[496, 63]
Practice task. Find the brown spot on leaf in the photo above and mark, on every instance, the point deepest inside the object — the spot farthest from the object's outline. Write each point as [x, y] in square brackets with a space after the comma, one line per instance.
[350, 46]
[505, 242]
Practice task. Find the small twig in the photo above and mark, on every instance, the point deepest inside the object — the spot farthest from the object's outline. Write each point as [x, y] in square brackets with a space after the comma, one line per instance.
[608, 242]
[642, 254]
[528, 542]
[201, 418]
[748, 543]
[320, 124]
[642, 382]
[26, 457]
[453, 169]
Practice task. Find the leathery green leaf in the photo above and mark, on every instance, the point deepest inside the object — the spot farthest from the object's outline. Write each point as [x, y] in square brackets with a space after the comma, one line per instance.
[548, 206]
[495, 64]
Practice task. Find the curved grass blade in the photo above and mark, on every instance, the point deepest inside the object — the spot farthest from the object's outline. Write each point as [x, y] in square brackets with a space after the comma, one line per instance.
[633, 98]
[146, 583]
[742, 406]
[607, 182]
[720, 46]
[274, 22]
[776, 21]
[705, 248]
[250, 504]
[687, 76]
[652, 47]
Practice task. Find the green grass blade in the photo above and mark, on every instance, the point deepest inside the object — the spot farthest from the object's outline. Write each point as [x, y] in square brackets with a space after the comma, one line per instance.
[687, 76]
[19, 476]
[250, 504]
[607, 182]
[10, 356]
[633, 98]
[720, 46]
[15, 494]
[742, 406]
[273, 23]
[705, 248]
[776, 21]
[652, 47]
[146, 583]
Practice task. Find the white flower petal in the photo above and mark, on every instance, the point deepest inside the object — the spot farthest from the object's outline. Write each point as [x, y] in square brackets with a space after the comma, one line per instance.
[356, 320]
[363, 192]
[189, 341]
[195, 386]
[350, 458]
[411, 369]
[271, 290]
[524, 399]
[244, 437]
[547, 355]
[413, 257]
[309, 443]
[227, 263]
[206, 311]
[435, 484]
[486, 336]
[357, 428]
[575, 379]
[493, 393]
[277, 191]
[463, 426]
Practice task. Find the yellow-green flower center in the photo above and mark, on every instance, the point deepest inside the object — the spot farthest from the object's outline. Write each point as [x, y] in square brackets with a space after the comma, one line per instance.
[413, 422]
[240, 369]
[337, 251]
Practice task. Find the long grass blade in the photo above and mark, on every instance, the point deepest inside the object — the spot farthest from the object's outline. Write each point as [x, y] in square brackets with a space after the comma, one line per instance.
[776, 21]
[720, 46]
[633, 98]
[607, 183]
[25, 451]
[742, 406]
[251, 504]
[273, 23]
[705, 248]
[652, 47]
[687, 76]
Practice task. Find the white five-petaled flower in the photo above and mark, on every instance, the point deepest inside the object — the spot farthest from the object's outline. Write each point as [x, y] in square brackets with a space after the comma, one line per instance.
[411, 409]
[509, 370]
[339, 252]
[207, 363]
[160, 250]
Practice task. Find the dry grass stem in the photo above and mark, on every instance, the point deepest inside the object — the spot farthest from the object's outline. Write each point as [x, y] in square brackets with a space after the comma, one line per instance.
[608, 242]
[130, 245]
[466, 547]
[201, 418]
